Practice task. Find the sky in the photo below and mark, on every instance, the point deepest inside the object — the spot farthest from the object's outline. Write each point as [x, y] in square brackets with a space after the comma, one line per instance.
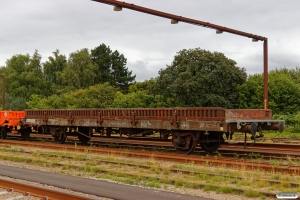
[149, 42]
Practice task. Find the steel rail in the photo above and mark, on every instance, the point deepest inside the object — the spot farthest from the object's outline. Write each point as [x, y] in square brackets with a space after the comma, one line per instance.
[201, 160]
[37, 191]
[276, 150]
[174, 170]
[203, 24]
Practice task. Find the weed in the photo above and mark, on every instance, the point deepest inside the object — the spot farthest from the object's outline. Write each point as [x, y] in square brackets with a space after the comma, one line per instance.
[178, 182]
[225, 190]
[251, 193]
[154, 185]
[274, 163]
[209, 188]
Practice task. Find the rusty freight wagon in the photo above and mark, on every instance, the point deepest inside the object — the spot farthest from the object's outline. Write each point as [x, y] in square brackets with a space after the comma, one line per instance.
[187, 126]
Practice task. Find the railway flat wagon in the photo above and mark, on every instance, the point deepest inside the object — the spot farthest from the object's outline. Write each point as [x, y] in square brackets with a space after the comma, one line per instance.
[188, 127]
[11, 122]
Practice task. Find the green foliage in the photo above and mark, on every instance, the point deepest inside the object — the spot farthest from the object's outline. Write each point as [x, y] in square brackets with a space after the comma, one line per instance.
[79, 73]
[137, 99]
[292, 122]
[111, 67]
[200, 78]
[284, 92]
[97, 96]
[15, 102]
[24, 76]
[251, 92]
[52, 69]
[139, 96]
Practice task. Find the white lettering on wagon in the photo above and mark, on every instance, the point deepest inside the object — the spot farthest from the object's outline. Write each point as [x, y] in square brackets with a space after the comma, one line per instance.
[119, 123]
[145, 124]
[184, 125]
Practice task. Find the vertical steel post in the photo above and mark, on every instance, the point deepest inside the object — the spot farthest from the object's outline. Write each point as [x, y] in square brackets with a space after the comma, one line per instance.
[266, 98]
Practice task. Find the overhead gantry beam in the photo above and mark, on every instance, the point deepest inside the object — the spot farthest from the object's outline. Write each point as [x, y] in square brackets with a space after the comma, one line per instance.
[219, 29]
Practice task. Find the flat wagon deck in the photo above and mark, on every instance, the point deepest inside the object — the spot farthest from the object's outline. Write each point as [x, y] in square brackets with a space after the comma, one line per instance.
[188, 126]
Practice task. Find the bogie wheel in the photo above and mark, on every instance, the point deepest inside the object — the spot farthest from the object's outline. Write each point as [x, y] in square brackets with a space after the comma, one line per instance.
[25, 133]
[83, 139]
[182, 149]
[3, 133]
[211, 142]
[60, 136]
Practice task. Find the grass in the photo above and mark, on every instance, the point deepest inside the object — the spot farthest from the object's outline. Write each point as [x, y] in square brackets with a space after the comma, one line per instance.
[287, 133]
[158, 174]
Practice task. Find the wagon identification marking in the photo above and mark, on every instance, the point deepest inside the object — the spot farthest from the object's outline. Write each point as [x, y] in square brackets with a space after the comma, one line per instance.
[184, 125]
[145, 124]
[119, 123]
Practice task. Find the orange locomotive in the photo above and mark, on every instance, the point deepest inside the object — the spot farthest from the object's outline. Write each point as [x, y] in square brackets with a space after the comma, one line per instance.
[11, 121]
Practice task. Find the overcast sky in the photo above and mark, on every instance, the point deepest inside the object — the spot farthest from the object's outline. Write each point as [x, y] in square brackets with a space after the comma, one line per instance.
[148, 42]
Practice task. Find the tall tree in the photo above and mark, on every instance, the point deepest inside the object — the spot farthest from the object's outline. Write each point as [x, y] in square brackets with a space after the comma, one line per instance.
[24, 76]
[101, 57]
[111, 67]
[80, 72]
[120, 76]
[201, 78]
[53, 66]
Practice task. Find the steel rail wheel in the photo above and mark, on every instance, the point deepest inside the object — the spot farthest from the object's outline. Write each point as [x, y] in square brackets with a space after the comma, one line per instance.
[3, 133]
[185, 144]
[211, 142]
[60, 135]
[25, 133]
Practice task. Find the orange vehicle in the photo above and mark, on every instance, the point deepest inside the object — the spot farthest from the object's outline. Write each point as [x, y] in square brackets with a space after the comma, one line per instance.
[11, 121]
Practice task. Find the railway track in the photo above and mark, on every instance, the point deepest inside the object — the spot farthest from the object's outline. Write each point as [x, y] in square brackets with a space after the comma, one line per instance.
[258, 150]
[16, 190]
[206, 161]
[234, 163]
[174, 170]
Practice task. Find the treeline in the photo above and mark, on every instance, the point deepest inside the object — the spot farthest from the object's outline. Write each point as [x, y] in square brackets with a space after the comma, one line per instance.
[27, 77]
[99, 78]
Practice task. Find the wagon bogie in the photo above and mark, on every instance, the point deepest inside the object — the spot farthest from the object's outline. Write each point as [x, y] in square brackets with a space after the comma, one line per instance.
[185, 142]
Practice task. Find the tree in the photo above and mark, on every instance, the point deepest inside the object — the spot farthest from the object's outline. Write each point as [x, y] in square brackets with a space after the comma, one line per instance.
[251, 92]
[101, 58]
[80, 72]
[200, 78]
[24, 76]
[284, 91]
[96, 96]
[139, 96]
[15, 102]
[52, 68]
[111, 67]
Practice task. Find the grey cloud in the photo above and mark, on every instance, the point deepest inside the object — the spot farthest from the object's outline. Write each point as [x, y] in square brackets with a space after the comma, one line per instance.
[150, 42]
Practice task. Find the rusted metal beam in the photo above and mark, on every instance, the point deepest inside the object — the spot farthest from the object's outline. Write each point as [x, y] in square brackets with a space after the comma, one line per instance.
[176, 18]
[266, 94]
[39, 191]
